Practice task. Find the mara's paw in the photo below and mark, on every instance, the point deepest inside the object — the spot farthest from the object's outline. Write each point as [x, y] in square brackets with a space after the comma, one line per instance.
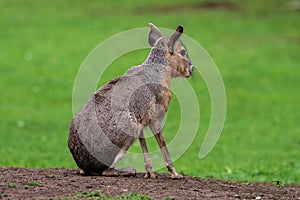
[176, 176]
[149, 175]
[81, 172]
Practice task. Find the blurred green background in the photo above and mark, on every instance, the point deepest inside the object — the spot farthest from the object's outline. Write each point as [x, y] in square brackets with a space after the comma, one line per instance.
[255, 44]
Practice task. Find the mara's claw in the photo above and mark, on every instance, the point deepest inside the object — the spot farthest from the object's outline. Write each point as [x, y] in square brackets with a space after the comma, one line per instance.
[149, 175]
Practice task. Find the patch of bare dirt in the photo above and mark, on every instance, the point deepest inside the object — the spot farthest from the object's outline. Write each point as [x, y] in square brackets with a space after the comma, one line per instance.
[28, 183]
[219, 5]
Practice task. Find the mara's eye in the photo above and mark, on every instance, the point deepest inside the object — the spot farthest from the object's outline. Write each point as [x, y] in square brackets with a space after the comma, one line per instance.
[182, 52]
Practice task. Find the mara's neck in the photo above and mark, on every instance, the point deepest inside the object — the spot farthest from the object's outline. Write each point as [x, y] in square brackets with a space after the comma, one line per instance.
[156, 56]
[157, 60]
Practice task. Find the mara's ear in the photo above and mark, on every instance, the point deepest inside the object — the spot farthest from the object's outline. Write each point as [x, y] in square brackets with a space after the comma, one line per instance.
[174, 37]
[154, 34]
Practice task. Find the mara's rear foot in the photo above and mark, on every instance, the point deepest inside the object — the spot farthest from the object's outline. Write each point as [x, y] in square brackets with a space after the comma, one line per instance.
[125, 171]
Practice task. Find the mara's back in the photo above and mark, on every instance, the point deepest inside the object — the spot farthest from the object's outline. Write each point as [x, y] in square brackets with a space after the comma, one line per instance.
[113, 117]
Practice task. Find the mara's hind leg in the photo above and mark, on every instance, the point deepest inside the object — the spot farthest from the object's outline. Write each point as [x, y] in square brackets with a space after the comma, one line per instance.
[147, 160]
[125, 171]
[111, 171]
[88, 173]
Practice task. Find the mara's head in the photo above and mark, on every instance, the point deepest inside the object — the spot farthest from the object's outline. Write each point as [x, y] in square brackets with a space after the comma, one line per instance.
[174, 52]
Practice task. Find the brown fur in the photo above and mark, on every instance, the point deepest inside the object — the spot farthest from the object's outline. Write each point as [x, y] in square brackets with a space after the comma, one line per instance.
[115, 116]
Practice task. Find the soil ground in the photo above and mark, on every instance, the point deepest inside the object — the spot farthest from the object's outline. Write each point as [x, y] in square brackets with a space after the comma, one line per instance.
[28, 183]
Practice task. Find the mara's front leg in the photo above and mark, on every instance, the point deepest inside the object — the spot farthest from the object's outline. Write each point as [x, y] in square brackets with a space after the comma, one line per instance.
[166, 155]
[164, 150]
[147, 160]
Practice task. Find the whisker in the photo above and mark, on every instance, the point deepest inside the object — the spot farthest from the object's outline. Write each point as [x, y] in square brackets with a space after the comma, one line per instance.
[196, 74]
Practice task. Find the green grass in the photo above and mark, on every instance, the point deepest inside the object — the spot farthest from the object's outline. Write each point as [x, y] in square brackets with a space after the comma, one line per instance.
[12, 185]
[33, 183]
[99, 195]
[256, 48]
